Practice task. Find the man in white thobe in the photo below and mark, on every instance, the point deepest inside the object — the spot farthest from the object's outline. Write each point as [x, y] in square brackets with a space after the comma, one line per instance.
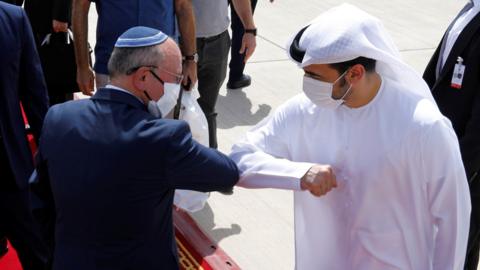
[367, 133]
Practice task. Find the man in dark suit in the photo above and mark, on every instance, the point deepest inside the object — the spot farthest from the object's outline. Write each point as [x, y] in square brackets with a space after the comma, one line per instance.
[113, 163]
[453, 75]
[21, 80]
[53, 17]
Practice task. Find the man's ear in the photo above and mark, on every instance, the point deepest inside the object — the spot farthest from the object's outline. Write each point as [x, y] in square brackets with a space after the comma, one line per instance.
[139, 78]
[355, 73]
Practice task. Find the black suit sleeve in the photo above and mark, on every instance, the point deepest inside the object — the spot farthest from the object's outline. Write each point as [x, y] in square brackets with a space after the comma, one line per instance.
[61, 10]
[429, 75]
[470, 141]
[33, 92]
[196, 167]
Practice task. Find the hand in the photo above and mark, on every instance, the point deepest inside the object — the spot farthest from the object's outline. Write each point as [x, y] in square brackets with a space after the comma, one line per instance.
[249, 43]
[189, 74]
[59, 26]
[319, 180]
[85, 80]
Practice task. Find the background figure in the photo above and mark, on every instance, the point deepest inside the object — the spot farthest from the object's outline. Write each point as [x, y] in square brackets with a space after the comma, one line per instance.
[52, 16]
[115, 17]
[21, 80]
[458, 96]
[213, 43]
[236, 78]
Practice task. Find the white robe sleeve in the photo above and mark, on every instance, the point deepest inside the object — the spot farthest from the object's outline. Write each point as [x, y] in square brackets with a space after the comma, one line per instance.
[263, 155]
[448, 195]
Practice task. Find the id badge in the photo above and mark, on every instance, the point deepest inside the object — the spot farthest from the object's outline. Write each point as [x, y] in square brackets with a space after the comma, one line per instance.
[458, 72]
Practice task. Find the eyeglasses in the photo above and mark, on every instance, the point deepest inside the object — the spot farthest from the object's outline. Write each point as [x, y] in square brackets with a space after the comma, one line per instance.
[178, 77]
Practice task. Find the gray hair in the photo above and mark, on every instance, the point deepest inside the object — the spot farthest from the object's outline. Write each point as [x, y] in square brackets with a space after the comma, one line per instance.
[125, 60]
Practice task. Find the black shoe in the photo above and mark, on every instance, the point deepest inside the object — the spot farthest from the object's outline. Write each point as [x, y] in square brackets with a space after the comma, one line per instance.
[3, 247]
[228, 191]
[244, 81]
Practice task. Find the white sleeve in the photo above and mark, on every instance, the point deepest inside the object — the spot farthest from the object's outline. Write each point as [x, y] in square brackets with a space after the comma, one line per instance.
[263, 155]
[448, 195]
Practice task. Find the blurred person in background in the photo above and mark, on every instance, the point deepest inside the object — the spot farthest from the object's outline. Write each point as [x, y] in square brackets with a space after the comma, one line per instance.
[21, 83]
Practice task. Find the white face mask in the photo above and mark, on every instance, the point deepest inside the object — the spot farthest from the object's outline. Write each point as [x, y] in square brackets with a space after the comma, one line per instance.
[167, 102]
[320, 93]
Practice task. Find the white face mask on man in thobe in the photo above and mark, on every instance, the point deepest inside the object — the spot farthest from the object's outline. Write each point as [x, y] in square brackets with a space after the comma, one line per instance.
[402, 200]
[321, 93]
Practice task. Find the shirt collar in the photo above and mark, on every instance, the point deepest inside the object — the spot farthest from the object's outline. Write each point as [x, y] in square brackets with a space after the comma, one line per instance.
[113, 87]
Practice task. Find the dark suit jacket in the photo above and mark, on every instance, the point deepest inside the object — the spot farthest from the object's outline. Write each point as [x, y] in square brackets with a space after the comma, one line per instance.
[43, 12]
[21, 79]
[13, 2]
[461, 106]
[113, 170]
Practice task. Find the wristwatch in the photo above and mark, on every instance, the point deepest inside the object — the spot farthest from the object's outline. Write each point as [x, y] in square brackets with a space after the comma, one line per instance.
[193, 57]
[252, 31]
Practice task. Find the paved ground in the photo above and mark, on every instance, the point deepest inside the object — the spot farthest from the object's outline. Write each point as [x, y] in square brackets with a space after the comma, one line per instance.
[255, 227]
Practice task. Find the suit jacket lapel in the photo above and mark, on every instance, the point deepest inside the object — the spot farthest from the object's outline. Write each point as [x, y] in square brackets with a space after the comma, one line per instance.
[460, 45]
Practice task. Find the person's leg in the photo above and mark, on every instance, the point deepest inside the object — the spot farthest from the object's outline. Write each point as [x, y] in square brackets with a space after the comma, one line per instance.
[212, 68]
[237, 64]
[22, 231]
[17, 223]
[101, 80]
[3, 246]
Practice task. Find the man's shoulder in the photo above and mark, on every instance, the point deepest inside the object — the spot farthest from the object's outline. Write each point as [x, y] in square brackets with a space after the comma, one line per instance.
[68, 111]
[10, 13]
[411, 106]
[70, 105]
[11, 9]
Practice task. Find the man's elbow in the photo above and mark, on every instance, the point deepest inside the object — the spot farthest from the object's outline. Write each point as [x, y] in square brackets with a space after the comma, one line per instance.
[233, 174]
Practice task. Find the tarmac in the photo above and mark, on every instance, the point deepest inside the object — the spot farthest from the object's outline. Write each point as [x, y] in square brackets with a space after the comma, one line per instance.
[255, 227]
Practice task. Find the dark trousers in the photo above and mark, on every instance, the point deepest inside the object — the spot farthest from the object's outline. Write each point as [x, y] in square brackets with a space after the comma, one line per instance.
[473, 247]
[16, 220]
[237, 64]
[212, 70]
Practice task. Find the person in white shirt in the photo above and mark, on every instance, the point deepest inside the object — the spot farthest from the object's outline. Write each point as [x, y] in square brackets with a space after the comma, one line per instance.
[367, 135]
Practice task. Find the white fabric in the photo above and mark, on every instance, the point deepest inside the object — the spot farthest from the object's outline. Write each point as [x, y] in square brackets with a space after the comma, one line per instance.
[458, 27]
[346, 32]
[402, 201]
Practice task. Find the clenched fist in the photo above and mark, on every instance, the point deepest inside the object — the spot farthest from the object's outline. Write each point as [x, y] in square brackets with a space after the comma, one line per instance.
[319, 180]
